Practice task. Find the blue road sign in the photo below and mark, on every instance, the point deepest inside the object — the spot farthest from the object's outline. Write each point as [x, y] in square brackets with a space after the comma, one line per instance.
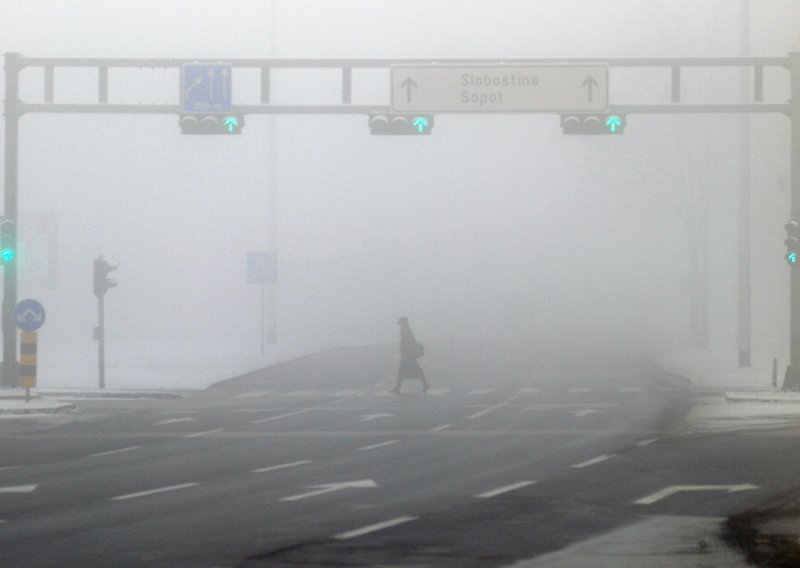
[206, 87]
[262, 268]
[29, 315]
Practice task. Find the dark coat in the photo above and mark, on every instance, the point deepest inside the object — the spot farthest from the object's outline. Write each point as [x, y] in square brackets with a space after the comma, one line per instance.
[409, 366]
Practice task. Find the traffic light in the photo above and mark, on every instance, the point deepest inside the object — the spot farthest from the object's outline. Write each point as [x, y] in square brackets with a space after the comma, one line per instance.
[195, 123]
[400, 124]
[792, 242]
[8, 240]
[593, 123]
[101, 280]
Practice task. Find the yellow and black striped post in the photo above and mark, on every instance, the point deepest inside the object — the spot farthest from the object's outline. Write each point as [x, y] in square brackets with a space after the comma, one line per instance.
[27, 359]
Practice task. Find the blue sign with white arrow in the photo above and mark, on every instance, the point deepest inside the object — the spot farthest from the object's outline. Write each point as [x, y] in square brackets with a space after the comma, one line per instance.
[206, 87]
[29, 315]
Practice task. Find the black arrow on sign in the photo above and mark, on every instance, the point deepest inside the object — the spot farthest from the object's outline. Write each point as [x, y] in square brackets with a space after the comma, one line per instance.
[408, 84]
[590, 83]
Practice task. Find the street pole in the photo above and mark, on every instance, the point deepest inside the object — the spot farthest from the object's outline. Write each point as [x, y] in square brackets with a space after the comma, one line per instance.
[745, 314]
[101, 340]
[10, 367]
[792, 378]
[272, 199]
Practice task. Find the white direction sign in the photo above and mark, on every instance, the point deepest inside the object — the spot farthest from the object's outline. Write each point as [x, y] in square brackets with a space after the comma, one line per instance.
[499, 88]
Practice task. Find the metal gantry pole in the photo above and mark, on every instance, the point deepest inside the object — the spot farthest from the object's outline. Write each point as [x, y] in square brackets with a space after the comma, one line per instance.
[10, 366]
[745, 311]
[792, 379]
[101, 340]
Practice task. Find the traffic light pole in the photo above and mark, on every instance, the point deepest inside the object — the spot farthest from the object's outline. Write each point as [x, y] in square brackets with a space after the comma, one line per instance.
[101, 340]
[10, 369]
[792, 379]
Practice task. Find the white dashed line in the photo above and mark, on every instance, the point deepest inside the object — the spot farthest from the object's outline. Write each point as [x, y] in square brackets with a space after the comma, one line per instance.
[646, 442]
[18, 489]
[374, 528]
[110, 452]
[486, 411]
[153, 491]
[506, 489]
[279, 416]
[592, 461]
[174, 421]
[376, 446]
[205, 433]
[6, 468]
[442, 427]
[281, 466]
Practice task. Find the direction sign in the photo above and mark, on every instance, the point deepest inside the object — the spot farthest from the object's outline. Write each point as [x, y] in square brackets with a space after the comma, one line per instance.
[499, 88]
[29, 315]
[206, 87]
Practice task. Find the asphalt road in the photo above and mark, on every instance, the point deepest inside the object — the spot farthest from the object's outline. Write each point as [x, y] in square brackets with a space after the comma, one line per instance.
[315, 463]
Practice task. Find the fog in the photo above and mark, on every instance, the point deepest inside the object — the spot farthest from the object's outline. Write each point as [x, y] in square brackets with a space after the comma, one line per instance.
[496, 225]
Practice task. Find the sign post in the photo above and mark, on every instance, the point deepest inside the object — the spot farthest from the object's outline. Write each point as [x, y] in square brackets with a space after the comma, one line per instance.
[262, 268]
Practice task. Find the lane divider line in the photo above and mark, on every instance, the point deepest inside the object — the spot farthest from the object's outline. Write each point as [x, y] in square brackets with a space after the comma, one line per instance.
[442, 427]
[279, 416]
[174, 421]
[18, 489]
[373, 528]
[111, 452]
[8, 467]
[505, 489]
[644, 443]
[252, 394]
[592, 461]
[153, 491]
[486, 411]
[206, 433]
[376, 446]
[281, 466]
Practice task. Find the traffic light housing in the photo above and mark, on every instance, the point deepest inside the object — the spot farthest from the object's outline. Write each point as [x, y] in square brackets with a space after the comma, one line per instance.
[101, 280]
[400, 124]
[792, 242]
[8, 240]
[583, 123]
[197, 123]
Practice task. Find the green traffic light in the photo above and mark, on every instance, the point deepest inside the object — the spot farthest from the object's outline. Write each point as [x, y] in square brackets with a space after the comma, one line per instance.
[613, 123]
[421, 124]
[7, 255]
[791, 258]
[231, 123]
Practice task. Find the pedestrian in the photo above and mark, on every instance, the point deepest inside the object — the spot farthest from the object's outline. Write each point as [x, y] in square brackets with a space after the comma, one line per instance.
[410, 352]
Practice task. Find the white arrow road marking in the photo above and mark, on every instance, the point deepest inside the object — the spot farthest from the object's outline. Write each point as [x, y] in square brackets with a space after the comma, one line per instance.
[664, 493]
[592, 461]
[374, 528]
[206, 433]
[331, 487]
[18, 489]
[281, 466]
[486, 411]
[153, 491]
[375, 446]
[174, 421]
[442, 427]
[585, 412]
[370, 417]
[252, 394]
[279, 416]
[110, 452]
[506, 489]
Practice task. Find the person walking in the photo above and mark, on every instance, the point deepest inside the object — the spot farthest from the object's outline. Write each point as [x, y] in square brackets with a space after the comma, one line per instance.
[410, 352]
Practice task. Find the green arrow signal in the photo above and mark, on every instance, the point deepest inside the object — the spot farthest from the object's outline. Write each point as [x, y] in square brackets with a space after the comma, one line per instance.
[231, 123]
[420, 124]
[7, 255]
[792, 258]
[613, 123]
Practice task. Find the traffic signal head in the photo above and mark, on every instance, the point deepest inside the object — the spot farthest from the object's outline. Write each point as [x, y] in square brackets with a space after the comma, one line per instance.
[101, 280]
[400, 124]
[593, 123]
[195, 123]
[8, 240]
[792, 242]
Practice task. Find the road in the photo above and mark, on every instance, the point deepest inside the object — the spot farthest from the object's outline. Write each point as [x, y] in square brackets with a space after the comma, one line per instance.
[315, 463]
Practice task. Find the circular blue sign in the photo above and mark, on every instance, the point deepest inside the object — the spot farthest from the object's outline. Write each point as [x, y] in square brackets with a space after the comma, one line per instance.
[29, 315]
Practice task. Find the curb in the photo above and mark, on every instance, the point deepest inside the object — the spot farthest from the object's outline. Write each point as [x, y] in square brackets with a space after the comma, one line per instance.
[28, 411]
[775, 398]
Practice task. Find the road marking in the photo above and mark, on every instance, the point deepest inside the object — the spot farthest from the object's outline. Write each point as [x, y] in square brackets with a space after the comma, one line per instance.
[205, 433]
[331, 487]
[174, 421]
[247, 410]
[110, 452]
[631, 389]
[374, 528]
[5, 468]
[666, 492]
[300, 393]
[592, 461]
[585, 412]
[647, 442]
[371, 417]
[281, 466]
[279, 416]
[252, 394]
[576, 390]
[529, 390]
[381, 445]
[153, 491]
[482, 391]
[438, 392]
[18, 489]
[486, 411]
[506, 489]
[442, 427]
